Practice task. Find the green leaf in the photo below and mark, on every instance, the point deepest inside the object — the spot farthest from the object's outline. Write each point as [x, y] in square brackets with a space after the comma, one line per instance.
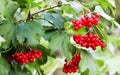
[87, 62]
[4, 66]
[76, 6]
[104, 4]
[8, 8]
[48, 34]
[1, 40]
[60, 41]
[22, 3]
[82, 31]
[113, 66]
[7, 32]
[114, 40]
[35, 67]
[45, 23]
[99, 10]
[68, 11]
[55, 19]
[100, 32]
[86, 72]
[28, 31]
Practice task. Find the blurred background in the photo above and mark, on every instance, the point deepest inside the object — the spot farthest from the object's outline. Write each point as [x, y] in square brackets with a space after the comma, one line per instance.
[100, 62]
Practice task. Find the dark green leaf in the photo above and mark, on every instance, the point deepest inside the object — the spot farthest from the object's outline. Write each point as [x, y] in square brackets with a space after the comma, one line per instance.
[28, 31]
[48, 34]
[55, 19]
[100, 32]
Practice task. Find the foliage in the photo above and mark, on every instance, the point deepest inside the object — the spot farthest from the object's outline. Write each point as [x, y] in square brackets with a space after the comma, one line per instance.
[26, 24]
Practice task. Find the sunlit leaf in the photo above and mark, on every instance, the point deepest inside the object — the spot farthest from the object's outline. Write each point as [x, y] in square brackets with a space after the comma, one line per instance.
[99, 10]
[76, 6]
[87, 62]
[113, 66]
[1, 40]
[8, 8]
[7, 32]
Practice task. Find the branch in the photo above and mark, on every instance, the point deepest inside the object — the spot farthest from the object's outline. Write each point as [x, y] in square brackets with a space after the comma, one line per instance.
[30, 16]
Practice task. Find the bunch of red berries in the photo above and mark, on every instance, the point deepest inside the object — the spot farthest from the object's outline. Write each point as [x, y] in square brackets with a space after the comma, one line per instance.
[73, 65]
[87, 21]
[24, 58]
[89, 40]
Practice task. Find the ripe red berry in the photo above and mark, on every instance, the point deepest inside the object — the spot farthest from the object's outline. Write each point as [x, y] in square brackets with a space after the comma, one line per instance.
[72, 66]
[87, 21]
[24, 58]
[89, 40]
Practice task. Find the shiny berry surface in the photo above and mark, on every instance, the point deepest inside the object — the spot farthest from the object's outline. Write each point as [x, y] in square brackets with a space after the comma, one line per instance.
[88, 40]
[72, 66]
[87, 21]
[25, 58]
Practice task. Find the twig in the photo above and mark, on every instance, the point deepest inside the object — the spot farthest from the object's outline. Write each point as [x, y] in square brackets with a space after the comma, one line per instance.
[31, 16]
[6, 50]
[103, 67]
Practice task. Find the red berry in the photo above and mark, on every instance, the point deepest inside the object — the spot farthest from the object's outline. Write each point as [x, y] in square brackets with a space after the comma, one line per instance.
[31, 60]
[87, 21]
[88, 40]
[73, 65]
[24, 58]
[97, 15]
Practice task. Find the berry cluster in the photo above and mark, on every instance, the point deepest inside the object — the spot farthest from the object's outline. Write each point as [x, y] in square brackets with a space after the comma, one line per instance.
[87, 21]
[88, 41]
[24, 58]
[73, 65]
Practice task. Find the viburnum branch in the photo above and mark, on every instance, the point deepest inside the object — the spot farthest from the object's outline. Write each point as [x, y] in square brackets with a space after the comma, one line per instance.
[31, 16]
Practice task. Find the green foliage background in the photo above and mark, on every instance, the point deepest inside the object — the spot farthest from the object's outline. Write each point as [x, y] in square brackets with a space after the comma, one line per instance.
[50, 31]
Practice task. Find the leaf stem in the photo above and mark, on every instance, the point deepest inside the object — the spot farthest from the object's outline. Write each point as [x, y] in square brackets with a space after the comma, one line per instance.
[31, 16]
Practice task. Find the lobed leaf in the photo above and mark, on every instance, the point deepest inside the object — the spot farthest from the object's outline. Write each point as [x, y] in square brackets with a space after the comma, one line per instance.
[87, 63]
[28, 31]
[54, 19]
[60, 41]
